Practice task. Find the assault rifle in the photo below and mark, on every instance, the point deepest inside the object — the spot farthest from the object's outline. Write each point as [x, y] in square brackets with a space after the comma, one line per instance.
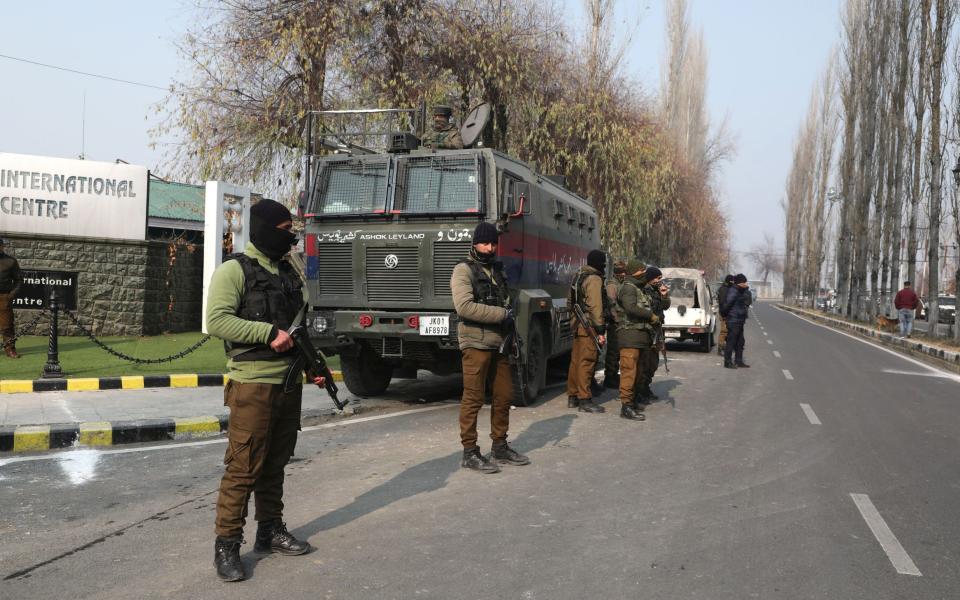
[662, 345]
[585, 323]
[312, 363]
[512, 347]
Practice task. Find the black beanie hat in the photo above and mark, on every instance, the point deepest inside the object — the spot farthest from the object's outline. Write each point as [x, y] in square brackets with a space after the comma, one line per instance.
[270, 212]
[597, 259]
[728, 278]
[740, 278]
[486, 233]
[652, 273]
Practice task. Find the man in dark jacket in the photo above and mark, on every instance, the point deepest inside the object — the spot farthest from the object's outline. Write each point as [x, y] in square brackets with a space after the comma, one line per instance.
[735, 308]
[721, 299]
[906, 302]
[635, 334]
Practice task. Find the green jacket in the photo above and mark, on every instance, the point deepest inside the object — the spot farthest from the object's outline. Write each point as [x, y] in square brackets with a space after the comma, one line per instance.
[448, 138]
[223, 302]
[636, 329]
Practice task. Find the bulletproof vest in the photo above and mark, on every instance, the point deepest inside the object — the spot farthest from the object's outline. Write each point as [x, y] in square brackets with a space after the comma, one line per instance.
[628, 322]
[615, 310]
[492, 291]
[267, 298]
[576, 288]
[655, 302]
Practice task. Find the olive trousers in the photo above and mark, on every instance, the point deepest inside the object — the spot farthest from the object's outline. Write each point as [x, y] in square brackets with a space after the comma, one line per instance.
[583, 361]
[480, 368]
[633, 374]
[262, 434]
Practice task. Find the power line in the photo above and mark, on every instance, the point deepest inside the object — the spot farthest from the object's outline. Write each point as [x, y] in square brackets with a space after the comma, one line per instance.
[58, 68]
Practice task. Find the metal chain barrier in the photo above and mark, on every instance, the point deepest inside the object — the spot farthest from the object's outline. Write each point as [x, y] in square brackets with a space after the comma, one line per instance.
[133, 359]
[24, 329]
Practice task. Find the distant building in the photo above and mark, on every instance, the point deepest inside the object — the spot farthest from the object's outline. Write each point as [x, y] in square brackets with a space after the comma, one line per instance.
[766, 289]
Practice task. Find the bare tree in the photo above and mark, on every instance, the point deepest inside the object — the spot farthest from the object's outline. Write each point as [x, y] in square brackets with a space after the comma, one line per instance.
[766, 257]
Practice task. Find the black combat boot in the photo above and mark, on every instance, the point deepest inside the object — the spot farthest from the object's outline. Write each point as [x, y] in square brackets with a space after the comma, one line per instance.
[589, 406]
[272, 536]
[503, 453]
[226, 558]
[729, 364]
[742, 365]
[572, 402]
[627, 411]
[472, 459]
[595, 388]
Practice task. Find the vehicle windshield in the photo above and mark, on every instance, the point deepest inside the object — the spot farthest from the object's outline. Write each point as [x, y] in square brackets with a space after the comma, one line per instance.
[947, 301]
[438, 184]
[682, 289]
[351, 187]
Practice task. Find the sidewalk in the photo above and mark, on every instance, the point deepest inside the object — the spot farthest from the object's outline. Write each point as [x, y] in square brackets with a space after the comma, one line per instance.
[34, 421]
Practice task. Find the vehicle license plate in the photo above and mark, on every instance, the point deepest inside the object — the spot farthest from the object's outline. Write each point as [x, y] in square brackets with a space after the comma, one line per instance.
[434, 324]
[671, 334]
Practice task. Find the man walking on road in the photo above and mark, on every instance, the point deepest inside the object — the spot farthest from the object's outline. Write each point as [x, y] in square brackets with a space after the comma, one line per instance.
[635, 334]
[482, 301]
[10, 281]
[735, 308]
[906, 301]
[253, 299]
[587, 292]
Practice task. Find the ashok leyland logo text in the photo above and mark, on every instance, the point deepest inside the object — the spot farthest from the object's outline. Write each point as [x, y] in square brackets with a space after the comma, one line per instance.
[391, 261]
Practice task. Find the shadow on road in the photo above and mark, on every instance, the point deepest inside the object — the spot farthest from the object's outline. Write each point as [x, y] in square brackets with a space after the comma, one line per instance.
[429, 476]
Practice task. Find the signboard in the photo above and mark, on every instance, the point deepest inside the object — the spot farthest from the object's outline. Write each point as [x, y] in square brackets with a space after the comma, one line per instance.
[79, 198]
[37, 285]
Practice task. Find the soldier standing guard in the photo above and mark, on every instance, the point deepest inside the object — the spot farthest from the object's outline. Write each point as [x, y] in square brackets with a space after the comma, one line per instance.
[482, 301]
[253, 299]
[635, 334]
[587, 292]
[443, 135]
[611, 367]
[11, 279]
[659, 296]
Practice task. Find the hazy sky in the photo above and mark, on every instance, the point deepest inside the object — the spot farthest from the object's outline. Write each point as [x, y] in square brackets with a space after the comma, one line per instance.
[764, 56]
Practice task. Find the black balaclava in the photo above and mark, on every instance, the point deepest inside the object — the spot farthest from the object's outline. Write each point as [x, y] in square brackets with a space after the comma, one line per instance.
[598, 260]
[652, 273]
[485, 233]
[264, 218]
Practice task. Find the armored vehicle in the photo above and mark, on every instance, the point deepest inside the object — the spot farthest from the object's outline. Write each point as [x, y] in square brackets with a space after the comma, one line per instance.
[384, 231]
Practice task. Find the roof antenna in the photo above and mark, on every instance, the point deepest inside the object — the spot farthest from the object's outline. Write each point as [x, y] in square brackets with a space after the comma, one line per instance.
[83, 128]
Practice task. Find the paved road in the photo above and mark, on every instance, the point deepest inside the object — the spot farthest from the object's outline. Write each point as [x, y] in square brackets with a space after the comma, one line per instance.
[728, 491]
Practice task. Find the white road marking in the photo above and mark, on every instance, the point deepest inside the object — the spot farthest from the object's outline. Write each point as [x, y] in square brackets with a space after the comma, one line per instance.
[889, 542]
[899, 372]
[765, 333]
[788, 375]
[811, 416]
[776, 353]
[221, 440]
[941, 372]
[770, 342]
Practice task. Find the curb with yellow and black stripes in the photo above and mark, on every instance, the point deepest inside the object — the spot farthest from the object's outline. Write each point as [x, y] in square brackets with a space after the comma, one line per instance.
[127, 382]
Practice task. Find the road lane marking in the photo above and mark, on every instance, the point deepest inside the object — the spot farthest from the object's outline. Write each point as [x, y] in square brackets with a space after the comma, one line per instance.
[776, 353]
[811, 416]
[915, 373]
[788, 375]
[223, 440]
[944, 374]
[889, 542]
[765, 333]
[770, 342]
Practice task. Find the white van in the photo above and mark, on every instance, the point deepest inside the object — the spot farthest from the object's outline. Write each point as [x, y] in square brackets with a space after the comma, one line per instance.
[692, 315]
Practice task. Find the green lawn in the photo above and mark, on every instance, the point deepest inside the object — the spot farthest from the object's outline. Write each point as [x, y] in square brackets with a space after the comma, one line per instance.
[79, 357]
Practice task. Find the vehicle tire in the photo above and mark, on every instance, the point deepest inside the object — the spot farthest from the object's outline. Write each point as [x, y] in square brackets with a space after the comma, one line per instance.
[536, 372]
[706, 340]
[366, 373]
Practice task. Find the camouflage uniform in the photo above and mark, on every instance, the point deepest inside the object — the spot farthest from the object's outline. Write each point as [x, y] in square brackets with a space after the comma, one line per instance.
[447, 138]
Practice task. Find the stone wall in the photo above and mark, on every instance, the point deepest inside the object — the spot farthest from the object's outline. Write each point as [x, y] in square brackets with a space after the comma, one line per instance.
[124, 287]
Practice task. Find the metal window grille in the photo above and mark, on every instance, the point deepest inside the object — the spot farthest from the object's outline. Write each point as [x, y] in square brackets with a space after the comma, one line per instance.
[353, 186]
[431, 184]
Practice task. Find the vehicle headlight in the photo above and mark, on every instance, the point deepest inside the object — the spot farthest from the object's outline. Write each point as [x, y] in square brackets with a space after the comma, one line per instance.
[321, 324]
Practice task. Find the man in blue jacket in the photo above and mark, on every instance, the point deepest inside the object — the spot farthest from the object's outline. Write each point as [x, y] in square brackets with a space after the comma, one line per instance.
[735, 308]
